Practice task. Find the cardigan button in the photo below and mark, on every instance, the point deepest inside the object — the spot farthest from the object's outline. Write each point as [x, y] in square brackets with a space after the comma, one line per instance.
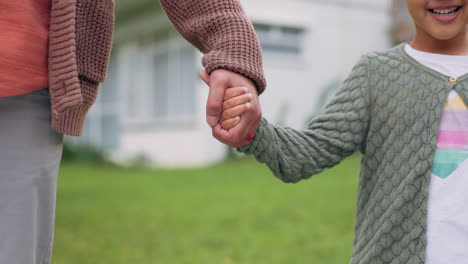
[453, 79]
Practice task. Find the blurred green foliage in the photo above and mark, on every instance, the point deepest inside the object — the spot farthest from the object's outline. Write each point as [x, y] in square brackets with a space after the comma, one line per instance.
[83, 153]
[235, 212]
[127, 10]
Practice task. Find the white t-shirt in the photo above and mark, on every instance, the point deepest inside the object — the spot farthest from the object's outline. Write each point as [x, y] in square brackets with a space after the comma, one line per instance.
[447, 213]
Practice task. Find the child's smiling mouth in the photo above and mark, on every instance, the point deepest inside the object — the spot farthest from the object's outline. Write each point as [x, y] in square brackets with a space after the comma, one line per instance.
[445, 14]
[446, 11]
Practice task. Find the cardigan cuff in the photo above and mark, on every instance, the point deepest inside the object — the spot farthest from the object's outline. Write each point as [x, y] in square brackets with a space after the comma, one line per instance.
[260, 142]
[253, 71]
[71, 122]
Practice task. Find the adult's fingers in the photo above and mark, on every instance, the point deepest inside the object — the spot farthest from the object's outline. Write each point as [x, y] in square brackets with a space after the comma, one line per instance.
[214, 105]
[235, 101]
[230, 123]
[221, 134]
[229, 137]
[238, 136]
[243, 133]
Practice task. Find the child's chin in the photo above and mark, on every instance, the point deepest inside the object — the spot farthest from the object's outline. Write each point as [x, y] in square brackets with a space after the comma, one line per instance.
[447, 34]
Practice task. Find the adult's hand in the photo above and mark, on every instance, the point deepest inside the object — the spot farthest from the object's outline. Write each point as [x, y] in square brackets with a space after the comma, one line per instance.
[243, 132]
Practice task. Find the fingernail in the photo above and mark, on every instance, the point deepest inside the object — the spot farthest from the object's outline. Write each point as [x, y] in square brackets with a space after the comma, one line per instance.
[212, 120]
[237, 118]
[248, 105]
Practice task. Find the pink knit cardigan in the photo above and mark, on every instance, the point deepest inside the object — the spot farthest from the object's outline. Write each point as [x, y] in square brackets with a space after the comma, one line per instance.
[81, 39]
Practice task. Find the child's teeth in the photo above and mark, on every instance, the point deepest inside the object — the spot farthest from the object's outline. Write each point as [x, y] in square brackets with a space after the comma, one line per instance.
[444, 11]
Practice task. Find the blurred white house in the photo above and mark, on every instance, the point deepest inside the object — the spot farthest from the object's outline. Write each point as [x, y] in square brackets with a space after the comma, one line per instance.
[153, 103]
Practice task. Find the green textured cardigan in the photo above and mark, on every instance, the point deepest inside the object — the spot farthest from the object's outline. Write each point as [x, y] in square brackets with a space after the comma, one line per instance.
[390, 109]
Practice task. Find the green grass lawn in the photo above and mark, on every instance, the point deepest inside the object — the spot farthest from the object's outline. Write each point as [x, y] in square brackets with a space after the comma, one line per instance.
[235, 212]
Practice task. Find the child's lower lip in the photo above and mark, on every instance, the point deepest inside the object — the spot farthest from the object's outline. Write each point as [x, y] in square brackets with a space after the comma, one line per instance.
[445, 18]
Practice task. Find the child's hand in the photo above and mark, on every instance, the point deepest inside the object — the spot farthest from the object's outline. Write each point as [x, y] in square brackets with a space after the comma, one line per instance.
[236, 103]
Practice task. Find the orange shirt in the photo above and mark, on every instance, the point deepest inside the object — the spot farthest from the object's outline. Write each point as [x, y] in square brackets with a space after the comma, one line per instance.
[24, 41]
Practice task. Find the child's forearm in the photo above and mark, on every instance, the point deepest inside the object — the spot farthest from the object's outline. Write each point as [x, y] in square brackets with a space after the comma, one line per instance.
[293, 155]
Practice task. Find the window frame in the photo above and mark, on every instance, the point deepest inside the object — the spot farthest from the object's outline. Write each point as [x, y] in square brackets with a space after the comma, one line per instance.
[277, 32]
[145, 116]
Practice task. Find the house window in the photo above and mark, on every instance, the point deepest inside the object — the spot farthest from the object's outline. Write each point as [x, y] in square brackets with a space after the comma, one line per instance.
[160, 83]
[280, 41]
[174, 80]
[102, 128]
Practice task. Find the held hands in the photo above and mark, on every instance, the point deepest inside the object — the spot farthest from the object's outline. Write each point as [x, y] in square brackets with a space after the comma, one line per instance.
[233, 109]
[237, 101]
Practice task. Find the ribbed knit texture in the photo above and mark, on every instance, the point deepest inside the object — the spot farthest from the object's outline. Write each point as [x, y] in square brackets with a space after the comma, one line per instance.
[221, 30]
[390, 109]
[79, 50]
[81, 38]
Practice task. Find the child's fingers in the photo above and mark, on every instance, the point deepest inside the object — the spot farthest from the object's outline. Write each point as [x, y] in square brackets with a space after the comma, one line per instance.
[238, 100]
[234, 91]
[230, 123]
[235, 111]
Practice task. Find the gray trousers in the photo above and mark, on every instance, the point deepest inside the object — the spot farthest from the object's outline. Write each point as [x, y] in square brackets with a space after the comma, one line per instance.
[30, 153]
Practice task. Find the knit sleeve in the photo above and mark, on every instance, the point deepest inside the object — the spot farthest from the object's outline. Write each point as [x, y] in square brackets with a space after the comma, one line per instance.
[338, 132]
[221, 30]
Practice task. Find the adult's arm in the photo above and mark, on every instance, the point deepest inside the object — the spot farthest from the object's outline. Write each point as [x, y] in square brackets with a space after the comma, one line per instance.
[221, 30]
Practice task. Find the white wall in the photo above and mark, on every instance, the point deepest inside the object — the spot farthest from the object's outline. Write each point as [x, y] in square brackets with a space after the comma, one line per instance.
[336, 36]
[189, 146]
[338, 32]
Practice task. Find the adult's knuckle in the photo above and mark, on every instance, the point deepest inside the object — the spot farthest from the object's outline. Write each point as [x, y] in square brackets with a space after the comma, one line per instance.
[220, 74]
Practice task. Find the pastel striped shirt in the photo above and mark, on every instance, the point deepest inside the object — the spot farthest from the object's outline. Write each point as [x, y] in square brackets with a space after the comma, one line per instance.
[447, 211]
[452, 143]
